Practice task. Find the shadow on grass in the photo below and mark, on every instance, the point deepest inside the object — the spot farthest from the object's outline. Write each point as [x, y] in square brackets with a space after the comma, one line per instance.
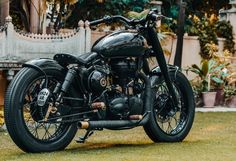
[90, 149]
[112, 146]
[108, 146]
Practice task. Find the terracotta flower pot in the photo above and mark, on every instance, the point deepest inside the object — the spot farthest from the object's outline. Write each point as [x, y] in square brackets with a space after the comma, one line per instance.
[209, 99]
[232, 102]
[219, 97]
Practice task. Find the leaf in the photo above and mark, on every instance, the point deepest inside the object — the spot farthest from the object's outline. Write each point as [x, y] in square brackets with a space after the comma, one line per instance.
[196, 67]
[195, 71]
[217, 80]
[205, 68]
[211, 64]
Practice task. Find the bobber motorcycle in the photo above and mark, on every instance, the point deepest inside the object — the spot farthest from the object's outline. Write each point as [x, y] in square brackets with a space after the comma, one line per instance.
[112, 87]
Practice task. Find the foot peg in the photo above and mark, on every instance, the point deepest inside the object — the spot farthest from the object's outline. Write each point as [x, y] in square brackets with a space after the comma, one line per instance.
[85, 137]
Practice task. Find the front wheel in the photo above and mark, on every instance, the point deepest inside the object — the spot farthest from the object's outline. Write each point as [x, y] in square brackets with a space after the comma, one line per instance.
[169, 123]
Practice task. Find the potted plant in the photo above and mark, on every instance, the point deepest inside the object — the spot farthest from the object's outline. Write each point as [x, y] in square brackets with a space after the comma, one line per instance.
[230, 88]
[230, 96]
[218, 83]
[209, 74]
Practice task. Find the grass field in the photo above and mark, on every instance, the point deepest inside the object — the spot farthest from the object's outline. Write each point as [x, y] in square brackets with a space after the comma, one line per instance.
[212, 138]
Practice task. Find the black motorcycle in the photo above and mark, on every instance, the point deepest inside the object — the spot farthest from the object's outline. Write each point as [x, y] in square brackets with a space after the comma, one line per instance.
[111, 87]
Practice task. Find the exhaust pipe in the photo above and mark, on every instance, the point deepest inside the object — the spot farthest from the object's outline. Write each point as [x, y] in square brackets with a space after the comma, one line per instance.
[135, 120]
[107, 124]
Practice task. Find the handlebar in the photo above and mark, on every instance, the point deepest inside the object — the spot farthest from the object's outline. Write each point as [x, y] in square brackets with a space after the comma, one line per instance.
[153, 16]
[108, 19]
[96, 22]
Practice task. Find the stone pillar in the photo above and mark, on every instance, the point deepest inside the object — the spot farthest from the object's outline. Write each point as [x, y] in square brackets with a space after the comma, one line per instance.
[230, 15]
[157, 5]
[87, 37]
[81, 40]
[34, 16]
[4, 11]
[9, 49]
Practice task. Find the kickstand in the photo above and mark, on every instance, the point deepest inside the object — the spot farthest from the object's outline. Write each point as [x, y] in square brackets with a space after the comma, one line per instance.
[85, 137]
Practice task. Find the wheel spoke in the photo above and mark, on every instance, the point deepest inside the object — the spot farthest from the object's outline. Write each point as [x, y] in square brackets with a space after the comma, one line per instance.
[32, 113]
[169, 119]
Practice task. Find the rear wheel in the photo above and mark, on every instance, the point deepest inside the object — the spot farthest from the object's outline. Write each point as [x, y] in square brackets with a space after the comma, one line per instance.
[23, 115]
[169, 123]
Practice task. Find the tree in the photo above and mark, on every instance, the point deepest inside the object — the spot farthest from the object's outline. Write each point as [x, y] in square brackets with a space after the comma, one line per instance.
[4, 11]
[95, 9]
[25, 12]
[198, 7]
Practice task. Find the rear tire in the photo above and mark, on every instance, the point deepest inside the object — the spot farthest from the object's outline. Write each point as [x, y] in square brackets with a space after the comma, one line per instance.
[163, 126]
[15, 111]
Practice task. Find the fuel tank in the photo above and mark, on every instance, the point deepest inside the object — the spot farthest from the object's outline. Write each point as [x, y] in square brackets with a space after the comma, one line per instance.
[121, 44]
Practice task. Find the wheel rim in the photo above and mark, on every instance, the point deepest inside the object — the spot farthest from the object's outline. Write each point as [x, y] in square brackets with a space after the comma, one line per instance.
[170, 120]
[31, 113]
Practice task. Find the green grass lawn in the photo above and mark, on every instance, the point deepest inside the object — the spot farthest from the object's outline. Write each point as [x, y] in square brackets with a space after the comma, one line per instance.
[212, 138]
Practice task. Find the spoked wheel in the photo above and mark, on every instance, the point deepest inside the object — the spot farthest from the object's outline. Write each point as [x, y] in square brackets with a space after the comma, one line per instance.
[26, 121]
[169, 118]
[168, 122]
[33, 113]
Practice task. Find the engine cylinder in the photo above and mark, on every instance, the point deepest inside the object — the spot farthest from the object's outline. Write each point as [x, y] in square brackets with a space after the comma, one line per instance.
[124, 68]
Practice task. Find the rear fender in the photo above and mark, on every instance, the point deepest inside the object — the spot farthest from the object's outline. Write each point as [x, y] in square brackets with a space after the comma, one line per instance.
[40, 64]
[43, 63]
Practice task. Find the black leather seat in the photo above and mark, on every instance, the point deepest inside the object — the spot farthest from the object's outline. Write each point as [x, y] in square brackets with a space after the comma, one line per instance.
[83, 59]
[87, 58]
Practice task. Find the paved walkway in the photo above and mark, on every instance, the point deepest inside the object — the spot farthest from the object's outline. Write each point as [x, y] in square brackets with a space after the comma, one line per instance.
[215, 109]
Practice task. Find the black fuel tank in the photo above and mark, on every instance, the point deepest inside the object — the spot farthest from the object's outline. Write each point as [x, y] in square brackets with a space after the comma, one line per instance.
[120, 44]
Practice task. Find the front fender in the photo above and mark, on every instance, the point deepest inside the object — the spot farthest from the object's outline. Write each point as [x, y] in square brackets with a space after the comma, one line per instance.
[156, 73]
[171, 68]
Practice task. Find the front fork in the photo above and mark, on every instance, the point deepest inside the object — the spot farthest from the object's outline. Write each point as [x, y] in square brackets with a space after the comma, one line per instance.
[162, 63]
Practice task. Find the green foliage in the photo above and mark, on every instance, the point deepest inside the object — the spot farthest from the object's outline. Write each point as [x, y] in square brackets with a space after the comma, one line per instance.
[229, 91]
[16, 19]
[208, 28]
[205, 28]
[225, 30]
[198, 7]
[194, 7]
[91, 9]
[210, 73]
[206, 34]
[137, 15]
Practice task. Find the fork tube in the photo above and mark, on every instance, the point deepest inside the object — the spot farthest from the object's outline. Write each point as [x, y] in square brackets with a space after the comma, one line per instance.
[161, 61]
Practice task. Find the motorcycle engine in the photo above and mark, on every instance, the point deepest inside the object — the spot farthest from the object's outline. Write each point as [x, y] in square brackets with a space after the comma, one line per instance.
[117, 89]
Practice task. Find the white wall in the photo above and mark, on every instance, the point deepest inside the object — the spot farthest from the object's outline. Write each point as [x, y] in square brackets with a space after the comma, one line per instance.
[21, 47]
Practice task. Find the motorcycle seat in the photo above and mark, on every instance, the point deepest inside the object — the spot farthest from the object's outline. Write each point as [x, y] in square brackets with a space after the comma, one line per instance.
[83, 59]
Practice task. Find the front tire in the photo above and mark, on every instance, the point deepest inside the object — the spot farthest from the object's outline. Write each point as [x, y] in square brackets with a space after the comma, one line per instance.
[167, 123]
[22, 116]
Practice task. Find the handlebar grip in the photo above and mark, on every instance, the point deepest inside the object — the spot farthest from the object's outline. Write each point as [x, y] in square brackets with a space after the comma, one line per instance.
[157, 17]
[96, 22]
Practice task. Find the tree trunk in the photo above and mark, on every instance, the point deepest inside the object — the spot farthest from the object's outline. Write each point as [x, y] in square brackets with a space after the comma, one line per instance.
[57, 24]
[4, 11]
[180, 34]
[34, 16]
